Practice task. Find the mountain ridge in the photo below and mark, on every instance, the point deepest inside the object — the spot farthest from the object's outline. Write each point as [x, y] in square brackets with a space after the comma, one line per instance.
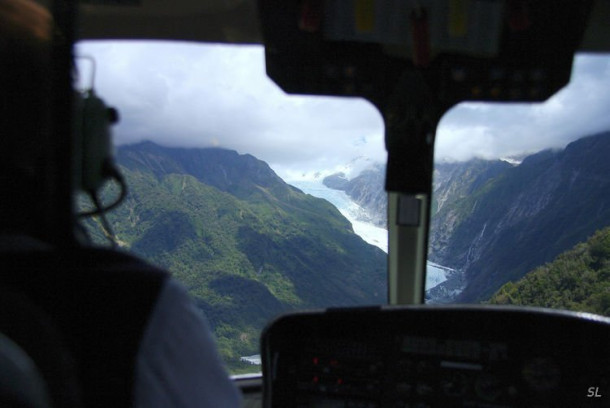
[224, 169]
[494, 220]
[246, 244]
[527, 215]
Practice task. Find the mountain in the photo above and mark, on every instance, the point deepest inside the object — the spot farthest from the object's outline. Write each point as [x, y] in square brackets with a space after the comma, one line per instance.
[495, 220]
[246, 244]
[337, 181]
[456, 180]
[578, 279]
[366, 190]
[514, 219]
[453, 183]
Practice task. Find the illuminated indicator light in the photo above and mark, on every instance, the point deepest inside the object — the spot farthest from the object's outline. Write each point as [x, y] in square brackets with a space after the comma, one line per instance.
[310, 19]
[316, 360]
[476, 91]
[365, 16]
[458, 17]
[339, 381]
[315, 379]
[495, 92]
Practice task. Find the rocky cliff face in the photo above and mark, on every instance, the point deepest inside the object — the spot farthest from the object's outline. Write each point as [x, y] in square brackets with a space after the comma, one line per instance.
[453, 183]
[494, 221]
[517, 218]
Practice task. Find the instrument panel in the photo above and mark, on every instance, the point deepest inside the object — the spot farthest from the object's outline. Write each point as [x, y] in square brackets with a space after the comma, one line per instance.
[425, 356]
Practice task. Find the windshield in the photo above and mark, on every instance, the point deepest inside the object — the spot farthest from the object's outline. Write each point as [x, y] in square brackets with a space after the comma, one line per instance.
[521, 199]
[262, 203]
[238, 189]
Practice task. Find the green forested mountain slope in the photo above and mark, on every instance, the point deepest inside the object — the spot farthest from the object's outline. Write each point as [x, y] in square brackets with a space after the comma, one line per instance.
[247, 245]
[578, 280]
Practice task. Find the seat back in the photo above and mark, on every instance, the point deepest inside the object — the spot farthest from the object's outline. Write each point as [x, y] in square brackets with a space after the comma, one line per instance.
[21, 383]
[36, 369]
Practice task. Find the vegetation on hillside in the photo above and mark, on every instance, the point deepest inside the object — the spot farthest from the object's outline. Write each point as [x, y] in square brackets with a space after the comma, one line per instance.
[246, 245]
[578, 280]
[504, 226]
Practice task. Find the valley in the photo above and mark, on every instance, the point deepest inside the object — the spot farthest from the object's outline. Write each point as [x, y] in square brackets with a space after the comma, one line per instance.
[249, 246]
[493, 221]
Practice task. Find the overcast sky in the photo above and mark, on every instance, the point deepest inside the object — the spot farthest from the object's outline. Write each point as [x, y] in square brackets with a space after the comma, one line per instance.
[192, 95]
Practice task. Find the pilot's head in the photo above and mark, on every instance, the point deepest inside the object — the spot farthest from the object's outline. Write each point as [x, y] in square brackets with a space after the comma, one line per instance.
[25, 49]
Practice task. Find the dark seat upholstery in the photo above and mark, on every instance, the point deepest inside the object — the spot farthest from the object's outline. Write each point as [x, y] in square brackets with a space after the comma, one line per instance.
[35, 367]
[100, 302]
[21, 383]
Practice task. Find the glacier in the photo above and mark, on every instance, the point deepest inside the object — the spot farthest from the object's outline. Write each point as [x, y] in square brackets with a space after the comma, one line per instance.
[374, 235]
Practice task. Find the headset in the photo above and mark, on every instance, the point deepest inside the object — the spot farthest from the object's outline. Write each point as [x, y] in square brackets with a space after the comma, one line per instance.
[93, 163]
[93, 152]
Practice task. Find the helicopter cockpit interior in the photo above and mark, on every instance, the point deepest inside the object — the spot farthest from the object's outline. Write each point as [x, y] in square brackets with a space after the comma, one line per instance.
[413, 60]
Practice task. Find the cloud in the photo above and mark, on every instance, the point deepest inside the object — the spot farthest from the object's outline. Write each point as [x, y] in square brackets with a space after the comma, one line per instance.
[500, 130]
[214, 95]
[194, 95]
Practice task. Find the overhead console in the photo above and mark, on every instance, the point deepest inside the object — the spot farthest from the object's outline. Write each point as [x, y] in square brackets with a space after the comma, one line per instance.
[424, 356]
[488, 50]
[416, 59]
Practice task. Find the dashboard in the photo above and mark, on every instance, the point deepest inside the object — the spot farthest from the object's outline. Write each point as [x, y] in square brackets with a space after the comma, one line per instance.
[437, 356]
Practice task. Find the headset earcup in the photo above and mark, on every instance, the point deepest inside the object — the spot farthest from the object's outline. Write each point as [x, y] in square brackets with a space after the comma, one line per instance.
[93, 144]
